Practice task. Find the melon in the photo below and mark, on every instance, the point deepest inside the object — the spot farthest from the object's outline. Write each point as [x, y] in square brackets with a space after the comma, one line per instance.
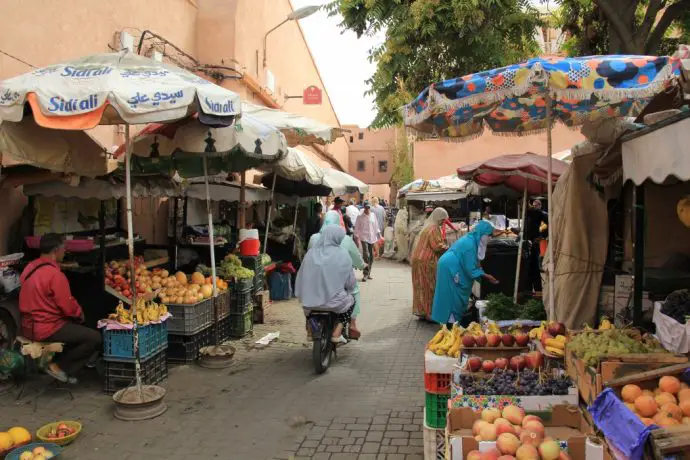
[207, 291]
[181, 278]
[198, 278]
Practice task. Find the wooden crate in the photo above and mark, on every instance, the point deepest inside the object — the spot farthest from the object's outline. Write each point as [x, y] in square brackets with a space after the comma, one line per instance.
[262, 302]
[590, 381]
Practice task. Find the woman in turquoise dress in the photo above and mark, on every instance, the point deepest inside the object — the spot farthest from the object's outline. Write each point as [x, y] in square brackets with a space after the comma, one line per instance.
[334, 218]
[457, 270]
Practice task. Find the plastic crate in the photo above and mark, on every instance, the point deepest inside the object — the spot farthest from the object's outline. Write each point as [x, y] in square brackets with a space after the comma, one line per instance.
[434, 443]
[240, 301]
[437, 383]
[224, 329]
[435, 409]
[184, 349]
[121, 374]
[119, 343]
[252, 263]
[190, 319]
[222, 304]
[259, 281]
[241, 324]
[241, 285]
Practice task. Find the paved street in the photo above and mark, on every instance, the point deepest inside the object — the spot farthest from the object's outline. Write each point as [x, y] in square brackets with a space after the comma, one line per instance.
[271, 405]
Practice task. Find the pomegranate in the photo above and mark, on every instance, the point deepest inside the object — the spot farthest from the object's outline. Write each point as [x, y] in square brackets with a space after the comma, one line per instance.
[517, 363]
[481, 340]
[508, 340]
[488, 366]
[521, 339]
[556, 329]
[493, 340]
[474, 363]
[501, 363]
[468, 341]
[535, 360]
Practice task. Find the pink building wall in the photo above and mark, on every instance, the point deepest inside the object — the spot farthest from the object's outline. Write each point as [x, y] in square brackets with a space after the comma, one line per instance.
[433, 159]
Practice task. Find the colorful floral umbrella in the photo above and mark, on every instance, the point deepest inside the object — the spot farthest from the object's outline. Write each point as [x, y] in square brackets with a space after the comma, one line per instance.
[512, 99]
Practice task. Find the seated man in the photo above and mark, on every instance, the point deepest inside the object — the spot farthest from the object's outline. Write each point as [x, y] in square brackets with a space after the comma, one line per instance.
[50, 313]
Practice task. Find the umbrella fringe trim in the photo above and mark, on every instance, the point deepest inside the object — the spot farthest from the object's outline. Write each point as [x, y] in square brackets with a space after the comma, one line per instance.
[527, 176]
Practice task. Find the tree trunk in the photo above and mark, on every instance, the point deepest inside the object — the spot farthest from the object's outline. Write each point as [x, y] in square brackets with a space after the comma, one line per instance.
[621, 17]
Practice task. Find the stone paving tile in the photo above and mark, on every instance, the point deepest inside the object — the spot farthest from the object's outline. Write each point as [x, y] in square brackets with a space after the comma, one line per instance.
[272, 405]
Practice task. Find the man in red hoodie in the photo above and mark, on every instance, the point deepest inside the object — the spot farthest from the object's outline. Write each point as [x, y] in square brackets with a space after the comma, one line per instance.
[50, 313]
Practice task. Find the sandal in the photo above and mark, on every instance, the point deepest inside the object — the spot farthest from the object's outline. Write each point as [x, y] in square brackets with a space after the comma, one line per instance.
[354, 334]
[339, 339]
[56, 373]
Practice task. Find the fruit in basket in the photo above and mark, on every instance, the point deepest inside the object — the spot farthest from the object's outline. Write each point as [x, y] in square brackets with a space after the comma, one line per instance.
[530, 438]
[685, 407]
[198, 278]
[549, 450]
[630, 393]
[508, 340]
[513, 414]
[517, 363]
[555, 328]
[501, 363]
[534, 426]
[526, 452]
[20, 435]
[534, 360]
[508, 443]
[521, 339]
[481, 341]
[669, 384]
[488, 432]
[664, 398]
[6, 441]
[468, 341]
[488, 366]
[474, 455]
[490, 414]
[206, 291]
[672, 411]
[646, 406]
[474, 363]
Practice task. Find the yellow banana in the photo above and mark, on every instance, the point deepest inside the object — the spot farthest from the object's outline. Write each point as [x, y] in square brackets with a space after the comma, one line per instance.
[561, 338]
[457, 343]
[437, 337]
[553, 343]
[555, 351]
[605, 324]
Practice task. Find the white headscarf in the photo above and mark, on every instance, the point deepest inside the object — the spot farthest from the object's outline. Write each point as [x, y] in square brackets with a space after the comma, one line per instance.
[325, 269]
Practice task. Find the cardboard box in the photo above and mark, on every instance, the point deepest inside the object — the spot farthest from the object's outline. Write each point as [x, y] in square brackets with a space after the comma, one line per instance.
[566, 424]
[590, 381]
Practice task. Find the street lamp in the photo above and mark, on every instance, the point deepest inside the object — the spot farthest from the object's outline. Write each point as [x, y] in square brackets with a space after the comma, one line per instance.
[299, 13]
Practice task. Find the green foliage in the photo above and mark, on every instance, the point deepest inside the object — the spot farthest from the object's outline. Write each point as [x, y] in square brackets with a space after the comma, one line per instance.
[403, 173]
[643, 26]
[500, 307]
[432, 40]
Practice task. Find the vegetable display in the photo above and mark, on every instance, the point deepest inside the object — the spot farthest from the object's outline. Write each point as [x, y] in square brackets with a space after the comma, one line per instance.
[500, 307]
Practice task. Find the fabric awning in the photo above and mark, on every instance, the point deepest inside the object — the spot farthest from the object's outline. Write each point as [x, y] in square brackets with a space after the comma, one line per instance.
[658, 152]
[435, 196]
[100, 189]
[296, 165]
[228, 191]
[342, 183]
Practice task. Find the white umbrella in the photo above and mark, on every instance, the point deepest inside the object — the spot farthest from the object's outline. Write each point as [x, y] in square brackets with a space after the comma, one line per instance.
[298, 130]
[342, 183]
[112, 88]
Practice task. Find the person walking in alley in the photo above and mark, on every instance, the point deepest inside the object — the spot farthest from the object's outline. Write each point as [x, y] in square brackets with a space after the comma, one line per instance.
[380, 214]
[534, 218]
[352, 212]
[50, 314]
[424, 260]
[368, 233]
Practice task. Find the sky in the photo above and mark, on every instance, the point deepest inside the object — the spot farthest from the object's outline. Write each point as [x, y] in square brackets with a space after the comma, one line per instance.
[334, 52]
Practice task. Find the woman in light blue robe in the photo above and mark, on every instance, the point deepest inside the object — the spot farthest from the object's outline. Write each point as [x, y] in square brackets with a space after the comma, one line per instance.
[334, 218]
[457, 270]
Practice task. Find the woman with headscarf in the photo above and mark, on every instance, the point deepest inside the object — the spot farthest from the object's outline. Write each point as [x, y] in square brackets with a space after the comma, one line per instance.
[326, 280]
[332, 218]
[430, 246]
[457, 270]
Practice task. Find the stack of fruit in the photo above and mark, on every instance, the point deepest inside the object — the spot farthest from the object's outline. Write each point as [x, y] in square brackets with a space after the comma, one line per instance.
[14, 437]
[516, 436]
[179, 290]
[593, 346]
[60, 431]
[147, 312]
[552, 336]
[450, 342]
[532, 360]
[668, 404]
[37, 453]
[501, 382]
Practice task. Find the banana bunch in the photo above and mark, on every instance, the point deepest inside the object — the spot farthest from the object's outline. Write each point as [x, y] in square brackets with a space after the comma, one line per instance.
[474, 329]
[146, 312]
[492, 328]
[537, 332]
[556, 345]
[447, 343]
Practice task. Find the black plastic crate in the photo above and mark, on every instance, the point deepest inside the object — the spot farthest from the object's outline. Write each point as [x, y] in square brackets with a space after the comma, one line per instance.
[252, 263]
[240, 301]
[224, 329]
[190, 319]
[222, 304]
[241, 285]
[241, 324]
[184, 349]
[121, 374]
[259, 279]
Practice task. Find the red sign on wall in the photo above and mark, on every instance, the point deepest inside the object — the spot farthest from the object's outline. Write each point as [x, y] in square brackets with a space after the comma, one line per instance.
[312, 95]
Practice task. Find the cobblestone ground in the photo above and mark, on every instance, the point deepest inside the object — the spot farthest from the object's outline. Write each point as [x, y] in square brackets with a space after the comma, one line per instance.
[271, 404]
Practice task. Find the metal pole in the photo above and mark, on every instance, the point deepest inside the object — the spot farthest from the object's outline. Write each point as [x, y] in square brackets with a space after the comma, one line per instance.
[211, 245]
[242, 220]
[268, 214]
[294, 226]
[549, 147]
[132, 269]
[522, 242]
[638, 251]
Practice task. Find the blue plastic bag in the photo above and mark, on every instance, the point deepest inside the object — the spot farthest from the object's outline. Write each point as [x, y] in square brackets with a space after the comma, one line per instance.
[623, 429]
[280, 286]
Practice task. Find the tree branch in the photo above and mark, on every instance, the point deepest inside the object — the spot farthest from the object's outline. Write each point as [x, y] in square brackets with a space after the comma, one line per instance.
[671, 13]
[617, 23]
[649, 18]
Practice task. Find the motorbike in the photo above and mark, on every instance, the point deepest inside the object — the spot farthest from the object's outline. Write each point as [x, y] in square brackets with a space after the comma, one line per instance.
[322, 324]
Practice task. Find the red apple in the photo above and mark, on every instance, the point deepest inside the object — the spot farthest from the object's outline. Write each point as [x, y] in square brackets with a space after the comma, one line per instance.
[488, 366]
[517, 363]
[474, 364]
[481, 341]
[493, 340]
[508, 340]
[501, 363]
[521, 339]
[556, 329]
[468, 341]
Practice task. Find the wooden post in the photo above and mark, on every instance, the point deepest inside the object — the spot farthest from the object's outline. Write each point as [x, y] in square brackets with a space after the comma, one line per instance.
[242, 211]
[638, 251]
